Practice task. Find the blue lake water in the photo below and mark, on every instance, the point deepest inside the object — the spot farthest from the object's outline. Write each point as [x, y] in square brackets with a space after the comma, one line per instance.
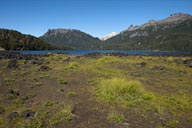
[129, 52]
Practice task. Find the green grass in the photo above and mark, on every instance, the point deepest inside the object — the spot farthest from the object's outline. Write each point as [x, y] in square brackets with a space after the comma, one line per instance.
[37, 122]
[37, 84]
[71, 94]
[49, 103]
[72, 65]
[62, 81]
[9, 81]
[171, 123]
[116, 117]
[122, 90]
[64, 114]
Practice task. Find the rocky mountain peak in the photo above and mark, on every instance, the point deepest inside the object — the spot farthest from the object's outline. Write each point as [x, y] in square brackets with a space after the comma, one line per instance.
[54, 32]
[176, 17]
[172, 19]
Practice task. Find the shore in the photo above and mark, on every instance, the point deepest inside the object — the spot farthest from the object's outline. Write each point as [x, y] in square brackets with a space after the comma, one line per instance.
[95, 90]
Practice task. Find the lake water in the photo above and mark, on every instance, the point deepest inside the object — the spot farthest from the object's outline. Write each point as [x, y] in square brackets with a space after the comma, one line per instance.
[129, 52]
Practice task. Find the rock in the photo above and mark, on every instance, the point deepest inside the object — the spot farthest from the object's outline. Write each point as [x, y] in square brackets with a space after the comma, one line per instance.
[142, 64]
[117, 54]
[27, 114]
[190, 65]
[38, 62]
[2, 110]
[92, 55]
[158, 68]
[44, 68]
[12, 64]
[188, 61]
[67, 60]
[10, 91]
[13, 115]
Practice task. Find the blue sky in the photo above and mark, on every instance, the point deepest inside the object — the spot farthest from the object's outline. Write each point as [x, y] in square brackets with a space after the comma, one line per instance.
[98, 17]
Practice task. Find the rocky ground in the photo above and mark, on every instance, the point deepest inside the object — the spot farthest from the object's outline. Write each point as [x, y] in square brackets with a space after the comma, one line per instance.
[94, 91]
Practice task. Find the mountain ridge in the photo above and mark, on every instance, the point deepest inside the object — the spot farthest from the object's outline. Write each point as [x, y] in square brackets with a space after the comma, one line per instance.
[72, 38]
[14, 40]
[173, 33]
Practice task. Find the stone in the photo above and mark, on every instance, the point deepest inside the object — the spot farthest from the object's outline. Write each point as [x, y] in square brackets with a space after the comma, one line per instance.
[28, 114]
[158, 68]
[12, 64]
[2, 110]
[13, 115]
[142, 64]
[13, 92]
[44, 68]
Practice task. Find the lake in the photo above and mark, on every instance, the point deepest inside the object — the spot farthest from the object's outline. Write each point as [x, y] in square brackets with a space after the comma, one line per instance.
[129, 52]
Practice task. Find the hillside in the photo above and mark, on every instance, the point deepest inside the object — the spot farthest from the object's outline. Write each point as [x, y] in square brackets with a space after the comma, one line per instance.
[173, 33]
[71, 38]
[14, 40]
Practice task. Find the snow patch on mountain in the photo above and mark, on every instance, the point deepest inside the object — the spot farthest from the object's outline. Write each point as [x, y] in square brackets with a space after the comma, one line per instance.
[110, 35]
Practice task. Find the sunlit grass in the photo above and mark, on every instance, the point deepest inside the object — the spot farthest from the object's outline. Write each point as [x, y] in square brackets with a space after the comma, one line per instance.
[63, 114]
[116, 117]
[122, 90]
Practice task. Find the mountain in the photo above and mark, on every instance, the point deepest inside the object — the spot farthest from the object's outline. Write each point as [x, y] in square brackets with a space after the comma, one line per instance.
[173, 33]
[110, 35]
[75, 39]
[14, 40]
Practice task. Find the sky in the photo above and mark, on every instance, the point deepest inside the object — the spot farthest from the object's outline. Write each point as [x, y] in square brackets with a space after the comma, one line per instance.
[96, 17]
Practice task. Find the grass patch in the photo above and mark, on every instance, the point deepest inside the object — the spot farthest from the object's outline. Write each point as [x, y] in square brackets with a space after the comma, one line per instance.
[37, 84]
[119, 89]
[64, 114]
[71, 94]
[171, 123]
[116, 117]
[62, 81]
[49, 103]
[44, 75]
[72, 65]
[9, 81]
[37, 122]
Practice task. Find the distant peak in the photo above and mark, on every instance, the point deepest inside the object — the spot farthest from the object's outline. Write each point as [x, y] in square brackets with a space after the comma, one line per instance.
[58, 31]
